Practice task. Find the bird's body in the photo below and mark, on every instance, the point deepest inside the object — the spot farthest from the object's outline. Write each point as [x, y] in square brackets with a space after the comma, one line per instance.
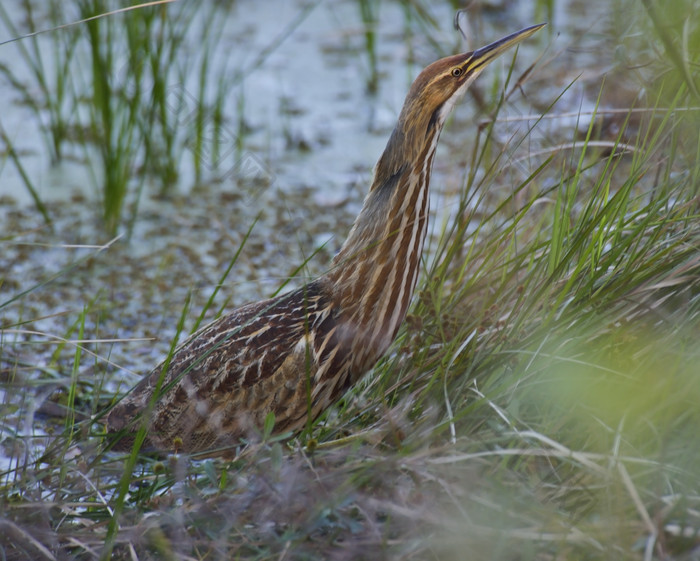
[294, 355]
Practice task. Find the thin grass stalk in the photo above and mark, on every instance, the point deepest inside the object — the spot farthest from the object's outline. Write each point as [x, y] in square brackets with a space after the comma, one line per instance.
[369, 13]
[223, 278]
[139, 438]
[16, 160]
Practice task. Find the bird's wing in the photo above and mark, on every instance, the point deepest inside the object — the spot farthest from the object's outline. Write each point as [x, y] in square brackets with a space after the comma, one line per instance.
[224, 379]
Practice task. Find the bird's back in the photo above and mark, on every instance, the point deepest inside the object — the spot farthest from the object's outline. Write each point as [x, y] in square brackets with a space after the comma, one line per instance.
[285, 355]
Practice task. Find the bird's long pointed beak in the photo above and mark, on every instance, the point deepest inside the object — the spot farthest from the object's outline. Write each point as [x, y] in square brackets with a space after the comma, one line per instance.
[484, 55]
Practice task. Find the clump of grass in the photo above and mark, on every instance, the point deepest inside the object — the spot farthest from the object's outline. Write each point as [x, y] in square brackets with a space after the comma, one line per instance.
[112, 122]
[209, 139]
[127, 102]
[564, 331]
[134, 109]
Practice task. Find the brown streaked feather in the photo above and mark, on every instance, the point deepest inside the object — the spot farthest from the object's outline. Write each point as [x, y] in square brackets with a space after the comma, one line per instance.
[225, 378]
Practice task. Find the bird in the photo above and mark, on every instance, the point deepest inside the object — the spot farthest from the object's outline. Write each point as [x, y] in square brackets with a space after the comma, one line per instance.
[289, 358]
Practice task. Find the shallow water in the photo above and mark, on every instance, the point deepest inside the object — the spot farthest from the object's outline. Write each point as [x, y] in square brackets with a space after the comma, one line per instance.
[308, 118]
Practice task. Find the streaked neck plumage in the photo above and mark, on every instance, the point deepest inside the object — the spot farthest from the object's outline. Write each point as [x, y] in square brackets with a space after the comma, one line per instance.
[374, 274]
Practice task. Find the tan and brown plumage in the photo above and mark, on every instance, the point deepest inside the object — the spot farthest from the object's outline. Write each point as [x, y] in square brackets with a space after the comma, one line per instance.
[295, 354]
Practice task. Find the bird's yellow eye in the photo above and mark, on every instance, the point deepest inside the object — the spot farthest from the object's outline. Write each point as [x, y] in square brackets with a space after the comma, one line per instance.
[456, 72]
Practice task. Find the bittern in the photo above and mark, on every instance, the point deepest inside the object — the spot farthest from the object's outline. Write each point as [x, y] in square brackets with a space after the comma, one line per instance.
[296, 354]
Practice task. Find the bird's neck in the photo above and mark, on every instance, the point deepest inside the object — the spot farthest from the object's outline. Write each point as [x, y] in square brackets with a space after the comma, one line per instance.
[374, 274]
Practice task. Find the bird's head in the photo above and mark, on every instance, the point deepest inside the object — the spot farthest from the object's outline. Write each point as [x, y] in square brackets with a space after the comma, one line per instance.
[431, 98]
